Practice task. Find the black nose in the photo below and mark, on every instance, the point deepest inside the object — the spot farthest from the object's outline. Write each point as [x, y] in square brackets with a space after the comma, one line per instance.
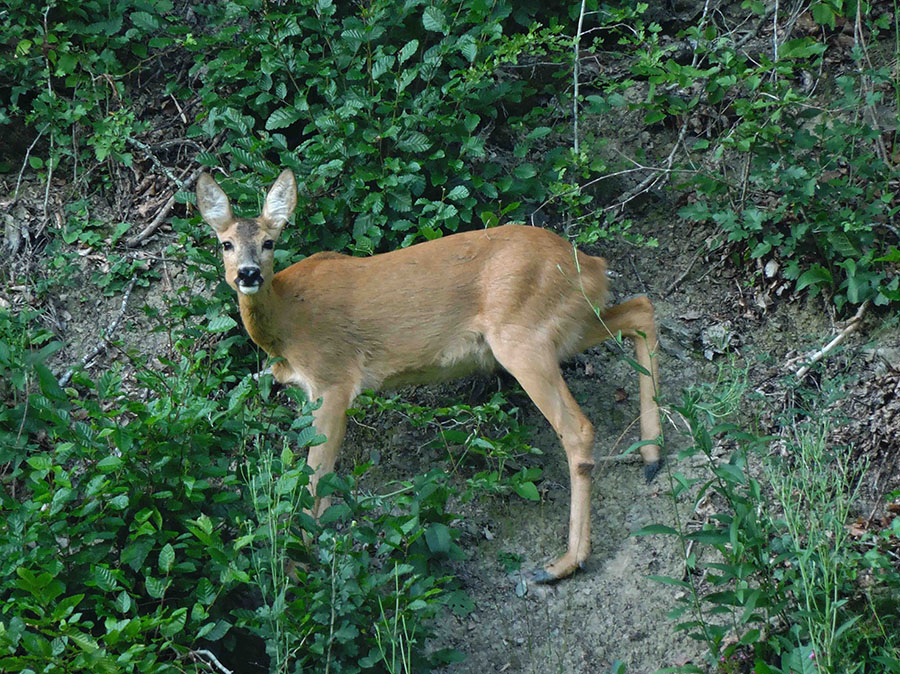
[249, 276]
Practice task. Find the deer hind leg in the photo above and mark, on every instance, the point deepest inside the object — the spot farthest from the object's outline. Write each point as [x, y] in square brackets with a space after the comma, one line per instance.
[537, 370]
[331, 421]
[634, 319]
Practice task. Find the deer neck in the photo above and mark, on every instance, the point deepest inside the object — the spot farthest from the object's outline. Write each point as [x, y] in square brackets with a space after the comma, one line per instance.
[260, 313]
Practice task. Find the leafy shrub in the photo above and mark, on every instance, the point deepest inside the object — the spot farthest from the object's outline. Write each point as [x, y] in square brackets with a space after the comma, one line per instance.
[124, 542]
[68, 78]
[489, 433]
[778, 585]
[799, 176]
[385, 113]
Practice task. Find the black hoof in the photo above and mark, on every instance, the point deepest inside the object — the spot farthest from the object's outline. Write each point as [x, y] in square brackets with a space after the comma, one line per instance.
[651, 470]
[542, 577]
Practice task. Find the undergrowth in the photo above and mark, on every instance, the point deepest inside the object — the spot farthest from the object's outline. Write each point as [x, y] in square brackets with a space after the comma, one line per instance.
[155, 524]
[773, 581]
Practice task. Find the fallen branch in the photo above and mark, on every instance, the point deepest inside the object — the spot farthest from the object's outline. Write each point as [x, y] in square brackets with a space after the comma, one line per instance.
[104, 339]
[145, 233]
[852, 325]
[212, 662]
[153, 158]
[687, 271]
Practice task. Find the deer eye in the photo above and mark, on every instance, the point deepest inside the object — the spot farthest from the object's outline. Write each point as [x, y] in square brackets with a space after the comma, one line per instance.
[268, 244]
[227, 246]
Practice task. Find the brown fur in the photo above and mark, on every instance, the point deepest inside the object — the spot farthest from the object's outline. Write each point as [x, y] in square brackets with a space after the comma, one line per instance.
[516, 296]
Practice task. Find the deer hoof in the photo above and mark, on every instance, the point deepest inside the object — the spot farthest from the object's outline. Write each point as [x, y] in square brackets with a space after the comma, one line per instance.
[651, 470]
[543, 577]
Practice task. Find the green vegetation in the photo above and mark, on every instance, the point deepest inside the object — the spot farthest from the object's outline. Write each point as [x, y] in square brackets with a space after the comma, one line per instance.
[126, 548]
[153, 519]
[773, 581]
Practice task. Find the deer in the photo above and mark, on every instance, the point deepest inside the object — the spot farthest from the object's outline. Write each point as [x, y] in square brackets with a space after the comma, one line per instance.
[513, 296]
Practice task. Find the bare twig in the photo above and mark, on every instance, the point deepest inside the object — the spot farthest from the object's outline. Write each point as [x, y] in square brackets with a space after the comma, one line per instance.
[865, 82]
[153, 158]
[775, 34]
[755, 30]
[104, 339]
[577, 71]
[687, 271]
[852, 325]
[145, 233]
[210, 659]
[651, 179]
[25, 161]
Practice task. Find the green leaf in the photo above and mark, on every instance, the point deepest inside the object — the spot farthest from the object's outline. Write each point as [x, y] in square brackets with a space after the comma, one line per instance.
[711, 537]
[437, 536]
[458, 193]
[65, 607]
[176, 624]
[407, 50]
[49, 386]
[309, 437]
[823, 14]
[221, 324]
[104, 578]
[283, 117]
[144, 21]
[893, 255]
[40, 462]
[637, 367]
[109, 464]
[415, 141]
[842, 244]
[205, 591]
[527, 490]
[525, 171]
[815, 276]
[433, 20]
[800, 48]
[120, 502]
[468, 47]
[166, 558]
[652, 529]
[156, 587]
[381, 66]
[637, 444]
[123, 602]
[214, 631]
[597, 105]
[84, 641]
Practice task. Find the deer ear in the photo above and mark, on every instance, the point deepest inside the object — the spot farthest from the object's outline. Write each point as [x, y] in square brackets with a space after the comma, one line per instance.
[213, 203]
[281, 200]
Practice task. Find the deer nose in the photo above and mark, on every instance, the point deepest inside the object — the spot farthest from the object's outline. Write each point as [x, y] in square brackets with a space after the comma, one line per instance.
[249, 276]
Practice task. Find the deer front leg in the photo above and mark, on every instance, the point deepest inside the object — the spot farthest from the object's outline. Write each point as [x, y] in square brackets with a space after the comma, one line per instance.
[330, 421]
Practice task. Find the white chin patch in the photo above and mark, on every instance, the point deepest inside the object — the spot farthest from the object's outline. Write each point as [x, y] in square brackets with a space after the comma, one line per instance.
[248, 290]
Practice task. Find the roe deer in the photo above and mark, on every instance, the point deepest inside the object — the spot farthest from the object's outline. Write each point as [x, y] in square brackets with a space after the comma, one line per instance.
[515, 296]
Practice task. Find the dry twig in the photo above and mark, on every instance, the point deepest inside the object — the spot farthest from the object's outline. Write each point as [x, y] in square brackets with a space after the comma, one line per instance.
[145, 233]
[852, 325]
[104, 339]
[683, 275]
[210, 659]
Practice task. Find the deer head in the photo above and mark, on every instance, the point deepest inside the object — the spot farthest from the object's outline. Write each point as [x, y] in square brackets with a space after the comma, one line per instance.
[248, 243]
